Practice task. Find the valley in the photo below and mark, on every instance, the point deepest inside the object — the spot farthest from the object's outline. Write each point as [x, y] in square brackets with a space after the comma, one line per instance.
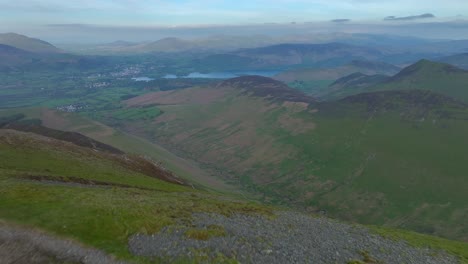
[236, 153]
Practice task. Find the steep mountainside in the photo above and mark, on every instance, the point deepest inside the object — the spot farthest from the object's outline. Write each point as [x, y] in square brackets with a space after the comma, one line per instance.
[329, 157]
[26, 43]
[424, 75]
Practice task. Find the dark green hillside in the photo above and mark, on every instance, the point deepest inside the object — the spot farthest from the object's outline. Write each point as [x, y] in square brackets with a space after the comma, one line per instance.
[372, 153]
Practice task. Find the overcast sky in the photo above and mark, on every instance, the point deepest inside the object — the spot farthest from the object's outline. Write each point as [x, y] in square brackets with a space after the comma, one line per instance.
[35, 17]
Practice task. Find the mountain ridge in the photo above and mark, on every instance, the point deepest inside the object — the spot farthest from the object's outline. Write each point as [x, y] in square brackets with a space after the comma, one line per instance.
[27, 43]
[439, 77]
[266, 87]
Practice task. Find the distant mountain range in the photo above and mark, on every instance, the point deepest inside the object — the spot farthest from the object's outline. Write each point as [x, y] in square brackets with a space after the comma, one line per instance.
[18, 52]
[285, 56]
[217, 43]
[226, 43]
[362, 66]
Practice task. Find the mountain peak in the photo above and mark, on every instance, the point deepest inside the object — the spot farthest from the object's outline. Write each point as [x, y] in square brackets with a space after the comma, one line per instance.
[169, 44]
[426, 68]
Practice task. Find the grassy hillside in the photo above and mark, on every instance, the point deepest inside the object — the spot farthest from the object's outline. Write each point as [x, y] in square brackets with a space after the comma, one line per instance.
[424, 75]
[360, 159]
[92, 196]
[129, 143]
[89, 196]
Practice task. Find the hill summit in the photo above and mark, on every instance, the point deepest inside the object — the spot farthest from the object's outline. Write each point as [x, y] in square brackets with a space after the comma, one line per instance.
[267, 87]
[437, 77]
[27, 43]
[424, 68]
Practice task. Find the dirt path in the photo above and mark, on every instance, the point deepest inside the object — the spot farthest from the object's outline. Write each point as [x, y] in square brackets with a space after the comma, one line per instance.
[20, 245]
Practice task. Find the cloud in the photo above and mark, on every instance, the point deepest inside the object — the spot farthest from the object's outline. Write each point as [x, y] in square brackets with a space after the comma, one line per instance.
[340, 20]
[407, 18]
[94, 33]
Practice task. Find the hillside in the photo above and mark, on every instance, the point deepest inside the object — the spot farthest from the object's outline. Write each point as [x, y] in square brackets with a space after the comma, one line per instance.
[26, 43]
[11, 57]
[328, 157]
[349, 84]
[330, 54]
[424, 75]
[266, 87]
[57, 197]
[14, 59]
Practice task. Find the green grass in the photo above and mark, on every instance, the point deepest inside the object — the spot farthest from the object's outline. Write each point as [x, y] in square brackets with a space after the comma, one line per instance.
[130, 144]
[311, 87]
[459, 249]
[136, 113]
[424, 75]
[402, 166]
[99, 216]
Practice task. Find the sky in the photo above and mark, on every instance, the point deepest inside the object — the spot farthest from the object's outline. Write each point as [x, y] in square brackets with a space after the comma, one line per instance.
[102, 17]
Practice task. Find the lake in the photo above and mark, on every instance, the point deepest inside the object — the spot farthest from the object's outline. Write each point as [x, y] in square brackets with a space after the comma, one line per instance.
[142, 79]
[211, 75]
[222, 75]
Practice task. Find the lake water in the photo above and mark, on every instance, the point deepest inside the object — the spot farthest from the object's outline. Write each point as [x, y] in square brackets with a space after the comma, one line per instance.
[142, 79]
[211, 75]
[222, 75]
